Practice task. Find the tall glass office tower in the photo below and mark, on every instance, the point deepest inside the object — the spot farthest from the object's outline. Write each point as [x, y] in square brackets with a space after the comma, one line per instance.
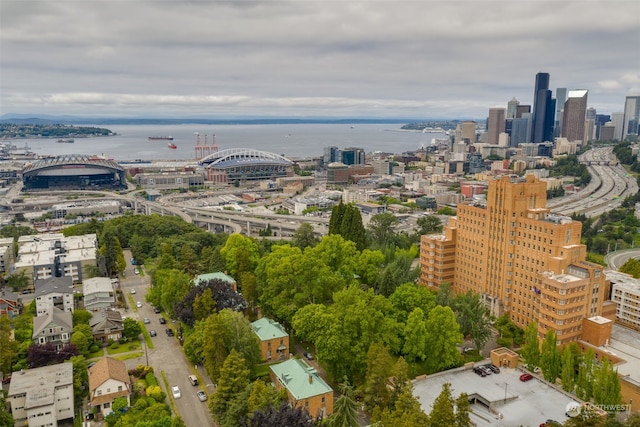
[543, 110]
[631, 116]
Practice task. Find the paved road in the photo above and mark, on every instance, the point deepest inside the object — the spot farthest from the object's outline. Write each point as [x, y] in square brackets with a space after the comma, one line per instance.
[167, 355]
[615, 260]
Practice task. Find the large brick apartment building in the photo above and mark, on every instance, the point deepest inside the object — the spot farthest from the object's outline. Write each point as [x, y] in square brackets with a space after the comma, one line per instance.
[522, 259]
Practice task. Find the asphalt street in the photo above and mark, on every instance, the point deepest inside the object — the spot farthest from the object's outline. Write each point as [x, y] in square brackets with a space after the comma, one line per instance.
[167, 356]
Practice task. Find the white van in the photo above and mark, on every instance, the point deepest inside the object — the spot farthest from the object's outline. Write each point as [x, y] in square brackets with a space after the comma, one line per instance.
[193, 380]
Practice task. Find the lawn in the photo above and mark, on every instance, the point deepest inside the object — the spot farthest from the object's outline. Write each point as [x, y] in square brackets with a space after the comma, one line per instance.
[147, 337]
[123, 348]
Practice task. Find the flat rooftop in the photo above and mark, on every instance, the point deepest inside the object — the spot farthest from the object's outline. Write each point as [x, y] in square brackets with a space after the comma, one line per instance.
[625, 343]
[512, 401]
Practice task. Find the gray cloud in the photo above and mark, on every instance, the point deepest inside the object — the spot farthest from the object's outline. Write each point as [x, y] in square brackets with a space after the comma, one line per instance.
[336, 58]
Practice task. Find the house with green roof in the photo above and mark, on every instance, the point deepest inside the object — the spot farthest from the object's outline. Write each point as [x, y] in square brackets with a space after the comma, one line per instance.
[274, 339]
[216, 276]
[305, 388]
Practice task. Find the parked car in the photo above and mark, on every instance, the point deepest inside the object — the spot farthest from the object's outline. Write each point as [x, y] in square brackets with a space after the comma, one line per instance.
[152, 333]
[169, 332]
[6, 380]
[136, 271]
[201, 395]
[175, 391]
[146, 321]
[156, 309]
[308, 355]
[138, 304]
[133, 291]
[526, 377]
[493, 368]
[486, 369]
[479, 371]
[163, 321]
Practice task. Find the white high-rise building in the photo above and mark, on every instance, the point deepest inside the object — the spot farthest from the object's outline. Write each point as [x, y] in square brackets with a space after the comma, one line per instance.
[617, 119]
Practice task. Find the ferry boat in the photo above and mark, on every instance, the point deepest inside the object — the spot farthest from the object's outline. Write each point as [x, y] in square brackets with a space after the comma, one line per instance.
[172, 146]
[66, 141]
[160, 138]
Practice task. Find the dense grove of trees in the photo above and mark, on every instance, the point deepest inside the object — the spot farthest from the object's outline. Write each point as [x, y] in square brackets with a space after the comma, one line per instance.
[590, 379]
[12, 130]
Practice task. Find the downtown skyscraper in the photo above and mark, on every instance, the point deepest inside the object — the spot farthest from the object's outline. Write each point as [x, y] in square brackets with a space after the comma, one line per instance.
[573, 118]
[631, 122]
[544, 110]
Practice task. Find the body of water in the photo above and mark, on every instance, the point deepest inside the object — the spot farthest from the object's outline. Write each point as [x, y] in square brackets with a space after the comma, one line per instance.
[295, 141]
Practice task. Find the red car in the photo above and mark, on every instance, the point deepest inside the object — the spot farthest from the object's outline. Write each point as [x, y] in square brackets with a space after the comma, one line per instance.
[526, 377]
[6, 380]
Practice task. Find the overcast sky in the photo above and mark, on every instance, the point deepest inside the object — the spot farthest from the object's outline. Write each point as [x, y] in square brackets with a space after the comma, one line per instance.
[177, 58]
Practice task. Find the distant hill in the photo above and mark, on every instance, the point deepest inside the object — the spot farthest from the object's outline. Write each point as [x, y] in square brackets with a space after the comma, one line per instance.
[76, 120]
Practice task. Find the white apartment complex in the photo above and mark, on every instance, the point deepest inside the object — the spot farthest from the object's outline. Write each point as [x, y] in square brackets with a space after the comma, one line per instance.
[41, 397]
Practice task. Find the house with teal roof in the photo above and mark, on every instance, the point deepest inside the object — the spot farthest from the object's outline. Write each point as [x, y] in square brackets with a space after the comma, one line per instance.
[305, 388]
[216, 276]
[274, 339]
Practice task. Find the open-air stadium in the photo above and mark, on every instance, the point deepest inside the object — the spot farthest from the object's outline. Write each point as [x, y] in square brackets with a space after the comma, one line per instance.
[244, 164]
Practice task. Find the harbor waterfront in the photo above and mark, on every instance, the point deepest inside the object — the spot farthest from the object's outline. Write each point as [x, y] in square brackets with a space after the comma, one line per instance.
[291, 140]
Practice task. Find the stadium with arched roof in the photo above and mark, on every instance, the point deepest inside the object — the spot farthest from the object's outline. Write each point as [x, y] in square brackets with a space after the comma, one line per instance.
[245, 164]
[73, 172]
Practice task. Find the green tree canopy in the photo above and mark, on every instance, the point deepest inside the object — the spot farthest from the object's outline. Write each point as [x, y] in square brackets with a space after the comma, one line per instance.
[443, 337]
[531, 349]
[344, 331]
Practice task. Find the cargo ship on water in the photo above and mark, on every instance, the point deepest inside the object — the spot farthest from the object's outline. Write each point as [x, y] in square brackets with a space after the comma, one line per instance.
[66, 141]
[160, 138]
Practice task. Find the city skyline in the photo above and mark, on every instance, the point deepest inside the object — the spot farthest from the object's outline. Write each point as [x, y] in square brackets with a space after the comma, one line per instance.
[429, 59]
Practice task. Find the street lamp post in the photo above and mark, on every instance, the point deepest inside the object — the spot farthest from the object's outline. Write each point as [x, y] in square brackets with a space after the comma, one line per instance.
[505, 392]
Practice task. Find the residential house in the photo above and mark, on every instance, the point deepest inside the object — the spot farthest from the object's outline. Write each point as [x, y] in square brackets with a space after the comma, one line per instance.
[106, 325]
[54, 292]
[55, 326]
[108, 380]
[98, 293]
[305, 388]
[10, 303]
[274, 340]
[204, 278]
[42, 396]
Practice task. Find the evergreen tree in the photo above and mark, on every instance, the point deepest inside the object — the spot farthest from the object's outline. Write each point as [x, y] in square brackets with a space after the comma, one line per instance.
[606, 387]
[233, 380]
[335, 221]
[463, 411]
[550, 357]
[345, 409]
[584, 383]
[444, 296]
[568, 371]
[346, 221]
[304, 236]
[442, 414]
[6, 418]
[531, 349]
[379, 364]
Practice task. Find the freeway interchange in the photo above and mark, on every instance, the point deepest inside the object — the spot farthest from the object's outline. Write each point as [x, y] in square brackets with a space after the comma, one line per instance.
[610, 184]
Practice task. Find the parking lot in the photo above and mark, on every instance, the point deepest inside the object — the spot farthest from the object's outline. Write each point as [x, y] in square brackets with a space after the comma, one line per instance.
[500, 399]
